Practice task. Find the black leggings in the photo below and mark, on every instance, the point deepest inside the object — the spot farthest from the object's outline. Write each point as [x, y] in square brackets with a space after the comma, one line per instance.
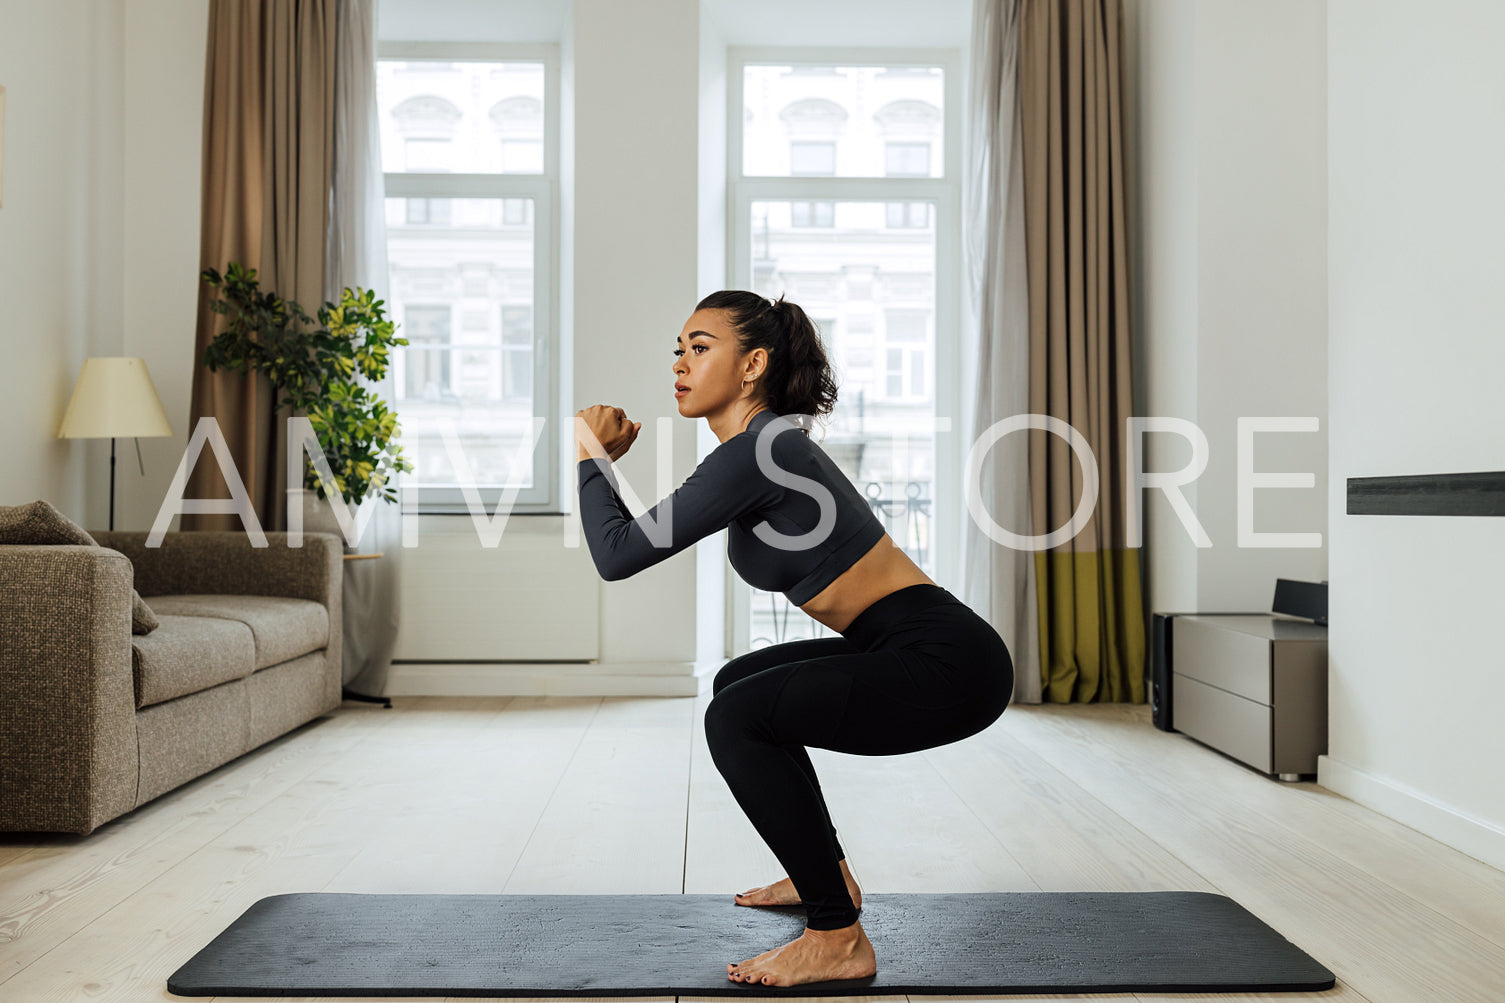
[916, 669]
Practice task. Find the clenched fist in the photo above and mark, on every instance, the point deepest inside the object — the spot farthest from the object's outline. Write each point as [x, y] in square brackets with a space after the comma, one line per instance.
[603, 427]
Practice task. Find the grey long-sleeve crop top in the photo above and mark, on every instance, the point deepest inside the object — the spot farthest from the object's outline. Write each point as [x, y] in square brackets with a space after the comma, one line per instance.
[778, 540]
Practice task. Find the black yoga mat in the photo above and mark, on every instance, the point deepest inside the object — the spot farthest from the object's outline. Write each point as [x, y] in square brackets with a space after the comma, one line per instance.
[328, 944]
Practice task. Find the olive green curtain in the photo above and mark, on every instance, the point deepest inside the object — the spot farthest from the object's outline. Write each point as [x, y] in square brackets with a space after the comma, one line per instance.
[267, 162]
[1091, 620]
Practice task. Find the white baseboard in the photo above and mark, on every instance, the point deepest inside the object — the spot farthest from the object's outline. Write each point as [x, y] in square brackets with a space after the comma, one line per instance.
[578, 679]
[1463, 832]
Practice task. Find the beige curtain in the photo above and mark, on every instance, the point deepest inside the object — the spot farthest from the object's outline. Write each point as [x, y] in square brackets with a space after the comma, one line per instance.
[1091, 616]
[268, 155]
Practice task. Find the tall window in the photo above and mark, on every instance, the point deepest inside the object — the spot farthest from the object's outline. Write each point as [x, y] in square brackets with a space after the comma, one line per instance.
[845, 193]
[470, 151]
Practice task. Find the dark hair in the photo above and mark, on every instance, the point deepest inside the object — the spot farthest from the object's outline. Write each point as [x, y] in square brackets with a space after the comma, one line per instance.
[798, 379]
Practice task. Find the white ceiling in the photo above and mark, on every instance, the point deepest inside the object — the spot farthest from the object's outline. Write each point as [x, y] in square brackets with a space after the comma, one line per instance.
[928, 23]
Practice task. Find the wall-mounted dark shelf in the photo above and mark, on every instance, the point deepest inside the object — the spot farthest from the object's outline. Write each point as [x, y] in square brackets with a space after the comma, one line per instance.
[1481, 493]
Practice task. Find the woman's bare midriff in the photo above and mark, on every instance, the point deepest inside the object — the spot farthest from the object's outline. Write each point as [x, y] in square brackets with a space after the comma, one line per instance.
[882, 570]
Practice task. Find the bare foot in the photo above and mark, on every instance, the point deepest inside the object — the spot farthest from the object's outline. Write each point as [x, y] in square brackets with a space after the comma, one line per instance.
[782, 892]
[815, 956]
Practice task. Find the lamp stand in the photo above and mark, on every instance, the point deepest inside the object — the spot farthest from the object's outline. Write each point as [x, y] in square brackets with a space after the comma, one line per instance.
[112, 484]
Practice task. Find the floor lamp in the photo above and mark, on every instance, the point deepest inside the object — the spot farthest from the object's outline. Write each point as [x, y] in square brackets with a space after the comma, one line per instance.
[114, 398]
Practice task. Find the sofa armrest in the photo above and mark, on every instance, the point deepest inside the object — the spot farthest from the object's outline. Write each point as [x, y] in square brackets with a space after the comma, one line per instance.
[68, 757]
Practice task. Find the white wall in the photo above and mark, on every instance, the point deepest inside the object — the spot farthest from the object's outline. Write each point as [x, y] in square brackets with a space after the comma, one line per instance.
[1161, 172]
[933, 24]
[98, 236]
[1261, 284]
[637, 122]
[710, 554]
[1416, 210]
[1321, 234]
[164, 44]
[513, 21]
[60, 243]
[1230, 181]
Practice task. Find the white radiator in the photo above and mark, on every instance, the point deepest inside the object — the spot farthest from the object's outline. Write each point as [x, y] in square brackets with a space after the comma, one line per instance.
[529, 599]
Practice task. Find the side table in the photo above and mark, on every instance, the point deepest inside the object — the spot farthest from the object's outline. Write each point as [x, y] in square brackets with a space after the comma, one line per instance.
[1255, 688]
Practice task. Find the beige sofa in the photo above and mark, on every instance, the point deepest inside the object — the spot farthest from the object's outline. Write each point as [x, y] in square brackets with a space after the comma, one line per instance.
[96, 721]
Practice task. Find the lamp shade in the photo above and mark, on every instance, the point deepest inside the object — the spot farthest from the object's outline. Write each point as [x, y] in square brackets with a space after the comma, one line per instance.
[114, 399]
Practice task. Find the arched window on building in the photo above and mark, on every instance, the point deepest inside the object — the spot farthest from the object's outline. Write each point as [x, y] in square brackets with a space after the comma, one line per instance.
[911, 131]
[518, 125]
[427, 124]
[813, 126]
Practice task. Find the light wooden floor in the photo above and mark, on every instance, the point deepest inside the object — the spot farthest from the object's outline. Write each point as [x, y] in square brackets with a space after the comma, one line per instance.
[586, 795]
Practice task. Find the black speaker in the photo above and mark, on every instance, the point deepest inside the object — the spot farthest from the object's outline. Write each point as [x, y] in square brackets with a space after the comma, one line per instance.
[1160, 670]
[1304, 599]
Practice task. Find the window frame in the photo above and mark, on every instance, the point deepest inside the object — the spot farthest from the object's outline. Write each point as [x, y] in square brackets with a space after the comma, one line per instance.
[542, 189]
[943, 193]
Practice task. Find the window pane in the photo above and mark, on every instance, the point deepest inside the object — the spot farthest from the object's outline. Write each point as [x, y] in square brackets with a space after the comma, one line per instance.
[421, 211]
[905, 325]
[851, 121]
[517, 351]
[907, 160]
[516, 212]
[812, 158]
[908, 215]
[420, 154]
[521, 156]
[463, 117]
[462, 294]
[427, 371]
[811, 214]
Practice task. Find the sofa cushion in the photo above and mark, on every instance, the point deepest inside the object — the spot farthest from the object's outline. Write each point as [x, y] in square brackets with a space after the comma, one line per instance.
[281, 628]
[186, 654]
[39, 523]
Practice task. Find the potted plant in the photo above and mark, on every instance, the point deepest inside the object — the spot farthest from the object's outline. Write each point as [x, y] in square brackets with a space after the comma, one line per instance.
[315, 364]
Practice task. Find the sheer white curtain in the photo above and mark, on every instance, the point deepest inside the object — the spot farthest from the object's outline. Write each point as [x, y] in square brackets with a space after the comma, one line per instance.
[998, 580]
[357, 256]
